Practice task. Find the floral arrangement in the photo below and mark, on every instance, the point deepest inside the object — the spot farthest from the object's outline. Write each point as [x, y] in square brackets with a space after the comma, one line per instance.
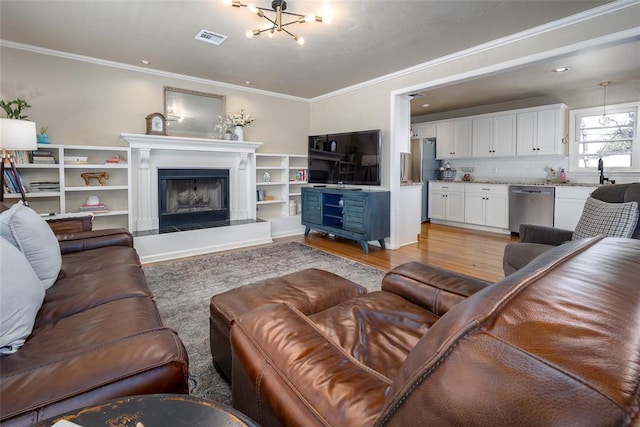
[240, 119]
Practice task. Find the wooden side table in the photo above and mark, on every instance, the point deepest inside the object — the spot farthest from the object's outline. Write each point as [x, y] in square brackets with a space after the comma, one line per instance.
[155, 410]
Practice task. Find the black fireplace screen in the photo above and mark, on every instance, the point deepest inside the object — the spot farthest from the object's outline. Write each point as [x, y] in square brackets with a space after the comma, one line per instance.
[192, 197]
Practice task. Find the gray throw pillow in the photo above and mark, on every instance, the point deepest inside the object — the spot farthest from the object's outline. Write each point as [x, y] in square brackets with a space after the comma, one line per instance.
[22, 296]
[30, 233]
[608, 219]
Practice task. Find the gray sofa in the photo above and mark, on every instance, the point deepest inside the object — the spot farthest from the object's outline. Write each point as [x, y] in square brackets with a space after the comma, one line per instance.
[536, 239]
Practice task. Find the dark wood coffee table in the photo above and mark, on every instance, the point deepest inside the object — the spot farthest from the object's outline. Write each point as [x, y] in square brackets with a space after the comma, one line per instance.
[155, 410]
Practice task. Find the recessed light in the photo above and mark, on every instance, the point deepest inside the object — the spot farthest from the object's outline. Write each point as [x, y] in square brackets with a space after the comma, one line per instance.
[426, 105]
[247, 82]
[560, 69]
[144, 62]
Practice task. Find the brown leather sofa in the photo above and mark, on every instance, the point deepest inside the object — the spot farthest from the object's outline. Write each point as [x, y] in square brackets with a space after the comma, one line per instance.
[553, 344]
[97, 336]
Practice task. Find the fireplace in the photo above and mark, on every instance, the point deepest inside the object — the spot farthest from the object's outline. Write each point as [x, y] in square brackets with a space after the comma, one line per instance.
[192, 198]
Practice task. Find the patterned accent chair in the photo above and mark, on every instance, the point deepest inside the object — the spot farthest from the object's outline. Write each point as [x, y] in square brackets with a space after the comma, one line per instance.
[535, 239]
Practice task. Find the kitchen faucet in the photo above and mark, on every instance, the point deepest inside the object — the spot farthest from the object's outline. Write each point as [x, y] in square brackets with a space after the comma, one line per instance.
[601, 169]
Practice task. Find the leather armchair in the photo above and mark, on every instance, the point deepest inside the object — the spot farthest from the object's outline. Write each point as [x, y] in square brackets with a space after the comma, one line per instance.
[554, 344]
[536, 239]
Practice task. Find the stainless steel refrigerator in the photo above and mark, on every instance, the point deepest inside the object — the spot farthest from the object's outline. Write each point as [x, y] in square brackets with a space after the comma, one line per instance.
[420, 166]
[430, 167]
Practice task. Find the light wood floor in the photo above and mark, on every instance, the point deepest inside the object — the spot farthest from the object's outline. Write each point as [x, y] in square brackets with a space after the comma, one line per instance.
[475, 253]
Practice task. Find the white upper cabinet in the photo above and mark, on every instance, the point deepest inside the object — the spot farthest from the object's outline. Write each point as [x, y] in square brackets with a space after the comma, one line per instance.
[542, 131]
[424, 130]
[523, 132]
[494, 136]
[482, 137]
[453, 139]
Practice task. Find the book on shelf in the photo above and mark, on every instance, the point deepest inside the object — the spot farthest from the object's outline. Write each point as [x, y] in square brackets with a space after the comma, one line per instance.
[10, 183]
[75, 160]
[41, 157]
[99, 208]
[41, 186]
[43, 160]
[19, 157]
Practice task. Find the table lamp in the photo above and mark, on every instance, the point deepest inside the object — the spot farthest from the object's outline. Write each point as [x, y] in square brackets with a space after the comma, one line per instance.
[15, 135]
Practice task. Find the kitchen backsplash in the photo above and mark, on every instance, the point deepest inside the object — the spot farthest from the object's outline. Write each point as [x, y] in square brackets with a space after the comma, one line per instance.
[526, 169]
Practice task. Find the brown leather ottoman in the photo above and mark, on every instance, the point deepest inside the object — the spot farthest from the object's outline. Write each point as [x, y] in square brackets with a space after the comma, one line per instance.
[309, 291]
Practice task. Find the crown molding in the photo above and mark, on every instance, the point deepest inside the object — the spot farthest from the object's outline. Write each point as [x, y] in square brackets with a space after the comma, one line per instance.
[145, 70]
[494, 44]
[503, 41]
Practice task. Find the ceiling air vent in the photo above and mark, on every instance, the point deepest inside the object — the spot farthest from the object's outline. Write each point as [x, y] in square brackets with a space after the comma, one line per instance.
[210, 37]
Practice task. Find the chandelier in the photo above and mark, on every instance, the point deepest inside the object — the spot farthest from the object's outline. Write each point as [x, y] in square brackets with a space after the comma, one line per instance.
[279, 20]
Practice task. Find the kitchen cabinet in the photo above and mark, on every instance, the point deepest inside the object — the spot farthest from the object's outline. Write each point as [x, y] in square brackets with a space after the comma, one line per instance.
[568, 206]
[424, 130]
[487, 204]
[453, 139]
[522, 132]
[446, 201]
[494, 136]
[542, 131]
[358, 215]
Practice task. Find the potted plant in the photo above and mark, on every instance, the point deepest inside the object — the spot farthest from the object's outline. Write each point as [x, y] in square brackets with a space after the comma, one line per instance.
[14, 108]
[43, 138]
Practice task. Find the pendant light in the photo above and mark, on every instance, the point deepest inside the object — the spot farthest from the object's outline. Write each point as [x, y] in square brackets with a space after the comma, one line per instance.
[604, 120]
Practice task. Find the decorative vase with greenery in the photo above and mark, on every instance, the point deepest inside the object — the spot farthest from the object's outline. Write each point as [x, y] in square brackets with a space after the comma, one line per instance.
[43, 138]
[14, 108]
[237, 122]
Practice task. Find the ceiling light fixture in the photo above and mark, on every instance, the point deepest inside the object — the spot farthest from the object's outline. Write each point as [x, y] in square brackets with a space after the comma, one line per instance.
[604, 120]
[144, 62]
[277, 23]
[560, 69]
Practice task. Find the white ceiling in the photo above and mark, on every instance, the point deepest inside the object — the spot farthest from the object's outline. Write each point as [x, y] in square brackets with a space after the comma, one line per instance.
[365, 40]
[619, 64]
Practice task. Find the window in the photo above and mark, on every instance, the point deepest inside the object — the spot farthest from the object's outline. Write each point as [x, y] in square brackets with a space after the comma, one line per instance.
[611, 137]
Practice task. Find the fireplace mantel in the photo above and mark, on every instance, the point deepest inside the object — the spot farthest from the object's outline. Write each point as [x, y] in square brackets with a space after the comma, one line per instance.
[160, 142]
[151, 152]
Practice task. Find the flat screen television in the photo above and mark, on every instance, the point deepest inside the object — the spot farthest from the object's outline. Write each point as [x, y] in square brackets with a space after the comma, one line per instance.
[345, 158]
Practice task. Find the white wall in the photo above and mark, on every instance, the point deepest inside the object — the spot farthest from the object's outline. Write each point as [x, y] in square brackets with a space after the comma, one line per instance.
[91, 103]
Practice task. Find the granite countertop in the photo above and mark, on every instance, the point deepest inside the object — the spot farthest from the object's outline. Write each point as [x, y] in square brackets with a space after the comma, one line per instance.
[522, 182]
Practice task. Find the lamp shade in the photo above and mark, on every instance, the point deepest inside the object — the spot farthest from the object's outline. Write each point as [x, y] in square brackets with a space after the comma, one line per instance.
[18, 135]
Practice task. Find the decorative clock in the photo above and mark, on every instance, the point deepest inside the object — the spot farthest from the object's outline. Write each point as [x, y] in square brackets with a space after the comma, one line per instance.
[156, 124]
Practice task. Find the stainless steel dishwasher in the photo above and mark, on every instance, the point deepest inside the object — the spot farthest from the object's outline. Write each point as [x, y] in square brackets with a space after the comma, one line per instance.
[530, 204]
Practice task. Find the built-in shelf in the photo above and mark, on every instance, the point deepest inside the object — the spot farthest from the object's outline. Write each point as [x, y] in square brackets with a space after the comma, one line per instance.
[73, 192]
[284, 183]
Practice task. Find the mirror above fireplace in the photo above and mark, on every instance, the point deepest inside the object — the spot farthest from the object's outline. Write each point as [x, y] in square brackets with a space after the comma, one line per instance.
[193, 114]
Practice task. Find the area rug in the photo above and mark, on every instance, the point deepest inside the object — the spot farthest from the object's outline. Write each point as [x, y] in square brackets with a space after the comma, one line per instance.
[183, 289]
